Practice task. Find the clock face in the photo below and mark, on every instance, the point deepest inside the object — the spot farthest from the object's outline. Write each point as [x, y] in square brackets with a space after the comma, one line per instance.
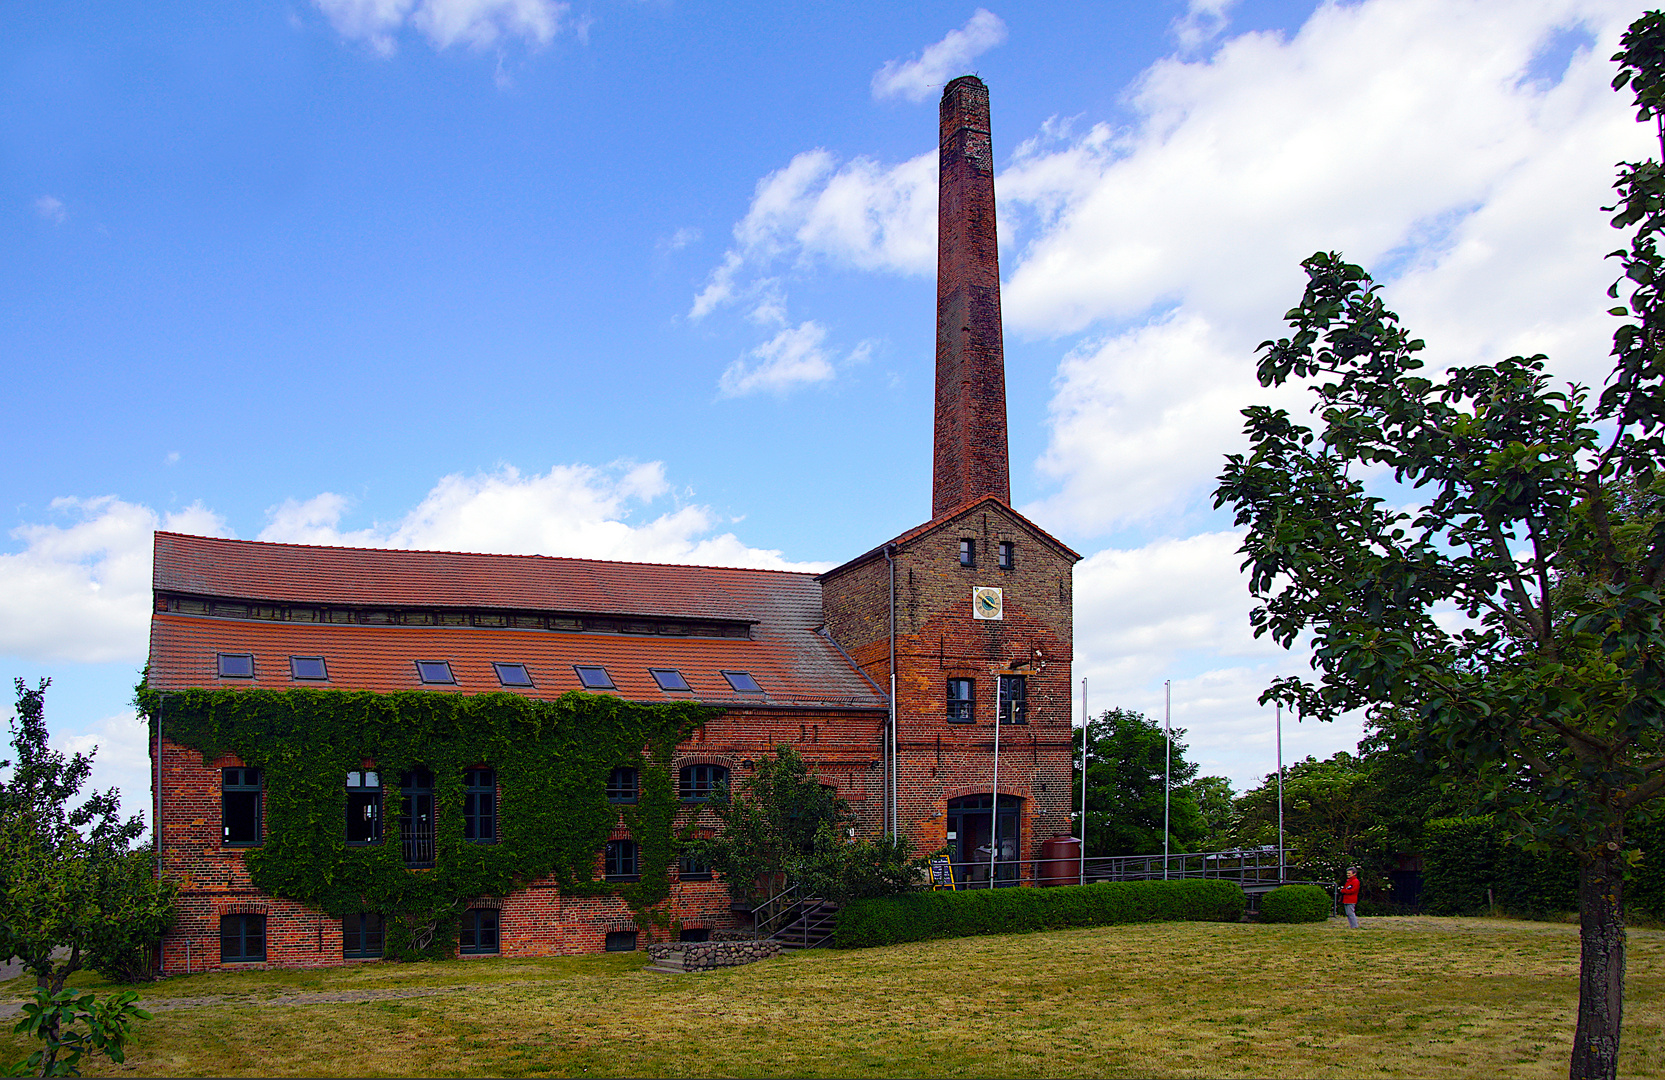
[987, 603]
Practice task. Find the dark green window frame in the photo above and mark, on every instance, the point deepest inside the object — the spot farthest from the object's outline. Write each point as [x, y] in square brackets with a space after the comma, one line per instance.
[480, 806]
[481, 932]
[700, 782]
[363, 935]
[622, 861]
[240, 824]
[624, 785]
[242, 939]
[364, 807]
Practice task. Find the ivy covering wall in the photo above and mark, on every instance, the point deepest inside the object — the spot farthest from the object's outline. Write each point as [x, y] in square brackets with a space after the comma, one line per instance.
[552, 760]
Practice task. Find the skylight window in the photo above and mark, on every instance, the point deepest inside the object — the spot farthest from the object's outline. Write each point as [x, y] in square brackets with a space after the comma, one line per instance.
[435, 671]
[307, 667]
[669, 678]
[594, 678]
[235, 665]
[742, 682]
[513, 674]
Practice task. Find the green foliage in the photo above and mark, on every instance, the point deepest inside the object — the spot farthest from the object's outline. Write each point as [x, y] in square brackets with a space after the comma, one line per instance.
[53, 1018]
[842, 868]
[552, 760]
[1126, 758]
[923, 916]
[1465, 857]
[1295, 903]
[72, 890]
[770, 824]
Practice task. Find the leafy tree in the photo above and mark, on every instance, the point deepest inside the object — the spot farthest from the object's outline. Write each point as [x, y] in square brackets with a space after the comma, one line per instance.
[1552, 695]
[55, 1018]
[1126, 758]
[770, 824]
[1330, 819]
[842, 868]
[70, 880]
[1217, 805]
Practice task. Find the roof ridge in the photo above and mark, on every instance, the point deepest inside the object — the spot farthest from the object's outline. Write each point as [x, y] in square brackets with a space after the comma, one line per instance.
[480, 554]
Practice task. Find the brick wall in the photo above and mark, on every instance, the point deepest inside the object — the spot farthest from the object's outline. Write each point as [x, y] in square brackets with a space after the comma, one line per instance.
[842, 745]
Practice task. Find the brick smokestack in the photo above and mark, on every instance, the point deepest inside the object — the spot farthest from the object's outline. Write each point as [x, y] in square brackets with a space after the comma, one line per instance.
[970, 446]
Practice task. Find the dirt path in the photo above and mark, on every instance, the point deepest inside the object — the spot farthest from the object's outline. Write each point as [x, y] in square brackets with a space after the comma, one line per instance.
[164, 1004]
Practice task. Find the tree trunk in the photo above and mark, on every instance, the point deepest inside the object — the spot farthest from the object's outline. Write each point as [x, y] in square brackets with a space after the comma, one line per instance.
[1601, 967]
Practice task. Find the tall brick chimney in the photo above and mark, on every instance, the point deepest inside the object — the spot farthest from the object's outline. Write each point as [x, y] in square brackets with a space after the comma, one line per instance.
[969, 456]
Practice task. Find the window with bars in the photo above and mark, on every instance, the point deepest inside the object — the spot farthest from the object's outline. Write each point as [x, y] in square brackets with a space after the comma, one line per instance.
[961, 701]
[480, 805]
[242, 939]
[362, 934]
[240, 807]
[621, 861]
[1014, 700]
[479, 931]
[416, 818]
[624, 785]
[700, 782]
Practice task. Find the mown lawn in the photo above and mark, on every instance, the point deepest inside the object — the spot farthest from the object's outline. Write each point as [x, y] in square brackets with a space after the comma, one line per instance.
[1404, 997]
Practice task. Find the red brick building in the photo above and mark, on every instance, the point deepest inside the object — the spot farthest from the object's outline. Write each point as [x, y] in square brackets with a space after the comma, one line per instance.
[893, 674]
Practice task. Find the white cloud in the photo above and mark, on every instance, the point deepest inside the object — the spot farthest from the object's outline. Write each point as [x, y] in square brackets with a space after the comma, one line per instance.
[478, 24]
[574, 510]
[81, 591]
[1203, 21]
[917, 79]
[792, 358]
[51, 209]
[121, 759]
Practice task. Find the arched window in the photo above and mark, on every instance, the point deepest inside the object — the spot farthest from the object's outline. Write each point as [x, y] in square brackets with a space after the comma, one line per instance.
[700, 782]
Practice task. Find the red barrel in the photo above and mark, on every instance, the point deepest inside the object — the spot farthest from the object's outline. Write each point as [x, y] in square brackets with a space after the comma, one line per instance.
[1061, 861]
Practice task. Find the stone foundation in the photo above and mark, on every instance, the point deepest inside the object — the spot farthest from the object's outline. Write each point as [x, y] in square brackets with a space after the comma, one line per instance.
[705, 955]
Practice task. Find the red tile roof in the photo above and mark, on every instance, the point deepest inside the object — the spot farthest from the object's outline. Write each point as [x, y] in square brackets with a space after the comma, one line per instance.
[301, 573]
[794, 663]
[800, 669]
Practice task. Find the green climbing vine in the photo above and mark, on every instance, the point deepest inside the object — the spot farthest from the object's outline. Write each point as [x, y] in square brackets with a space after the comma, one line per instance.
[552, 760]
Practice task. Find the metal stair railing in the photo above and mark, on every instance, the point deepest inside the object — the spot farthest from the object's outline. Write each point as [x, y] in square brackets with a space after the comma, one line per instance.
[780, 911]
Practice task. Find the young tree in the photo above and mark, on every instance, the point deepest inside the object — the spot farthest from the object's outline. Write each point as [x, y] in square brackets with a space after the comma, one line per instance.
[70, 882]
[1553, 695]
[1127, 755]
[770, 823]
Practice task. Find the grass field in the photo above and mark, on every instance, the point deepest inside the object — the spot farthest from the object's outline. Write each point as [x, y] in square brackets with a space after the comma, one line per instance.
[1403, 997]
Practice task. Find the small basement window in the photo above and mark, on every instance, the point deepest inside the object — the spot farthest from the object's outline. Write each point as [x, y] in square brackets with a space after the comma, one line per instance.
[621, 860]
[242, 939]
[479, 931]
[308, 667]
[669, 678]
[236, 665]
[694, 934]
[742, 682]
[362, 934]
[240, 807]
[435, 671]
[1005, 554]
[968, 552]
[624, 785]
[513, 674]
[621, 941]
[594, 678]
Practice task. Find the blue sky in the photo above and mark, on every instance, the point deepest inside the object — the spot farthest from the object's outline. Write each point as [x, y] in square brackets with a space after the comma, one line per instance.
[654, 280]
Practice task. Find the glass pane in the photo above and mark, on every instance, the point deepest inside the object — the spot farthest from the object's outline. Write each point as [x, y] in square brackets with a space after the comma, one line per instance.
[240, 817]
[307, 667]
[236, 665]
[742, 682]
[513, 675]
[594, 678]
[351, 939]
[434, 671]
[669, 679]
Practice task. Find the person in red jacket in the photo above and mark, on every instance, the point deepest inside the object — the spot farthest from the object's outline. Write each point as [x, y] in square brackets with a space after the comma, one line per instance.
[1350, 897]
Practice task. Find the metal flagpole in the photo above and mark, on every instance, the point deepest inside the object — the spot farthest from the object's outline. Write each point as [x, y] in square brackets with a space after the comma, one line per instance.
[1281, 874]
[1083, 851]
[994, 803]
[1167, 766]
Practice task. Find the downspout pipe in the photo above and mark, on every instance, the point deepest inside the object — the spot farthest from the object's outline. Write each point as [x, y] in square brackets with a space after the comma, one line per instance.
[890, 727]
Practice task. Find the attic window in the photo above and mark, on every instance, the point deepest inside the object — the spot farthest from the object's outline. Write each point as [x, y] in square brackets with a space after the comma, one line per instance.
[435, 671]
[968, 552]
[1005, 554]
[669, 678]
[513, 674]
[235, 665]
[594, 678]
[308, 667]
[742, 682]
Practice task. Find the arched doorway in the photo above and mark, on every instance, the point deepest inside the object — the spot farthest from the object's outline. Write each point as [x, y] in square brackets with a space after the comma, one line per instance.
[969, 835]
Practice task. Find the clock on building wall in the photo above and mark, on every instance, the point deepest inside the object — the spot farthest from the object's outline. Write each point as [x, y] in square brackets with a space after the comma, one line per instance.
[986, 603]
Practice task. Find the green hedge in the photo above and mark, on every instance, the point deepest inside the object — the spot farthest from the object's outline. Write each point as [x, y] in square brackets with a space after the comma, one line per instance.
[943, 914]
[1465, 857]
[1295, 903]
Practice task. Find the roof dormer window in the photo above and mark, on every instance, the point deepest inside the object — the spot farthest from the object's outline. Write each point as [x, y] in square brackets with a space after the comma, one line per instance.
[594, 678]
[236, 665]
[435, 671]
[968, 552]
